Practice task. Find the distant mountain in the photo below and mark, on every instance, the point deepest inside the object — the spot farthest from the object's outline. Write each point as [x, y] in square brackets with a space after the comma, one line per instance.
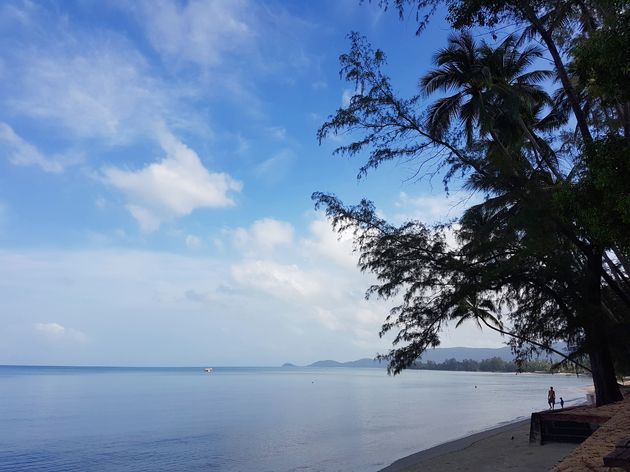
[288, 364]
[327, 363]
[437, 355]
[365, 362]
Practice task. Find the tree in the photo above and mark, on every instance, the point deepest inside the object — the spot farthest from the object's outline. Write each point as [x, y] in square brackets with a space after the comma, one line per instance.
[494, 364]
[494, 91]
[527, 252]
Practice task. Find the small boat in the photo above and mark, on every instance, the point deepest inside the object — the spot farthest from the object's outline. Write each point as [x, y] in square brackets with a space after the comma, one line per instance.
[208, 370]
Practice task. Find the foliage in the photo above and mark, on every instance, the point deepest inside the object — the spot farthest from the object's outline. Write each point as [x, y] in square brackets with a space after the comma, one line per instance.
[601, 197]
[547, 248]
[494, 364]
[601, 59]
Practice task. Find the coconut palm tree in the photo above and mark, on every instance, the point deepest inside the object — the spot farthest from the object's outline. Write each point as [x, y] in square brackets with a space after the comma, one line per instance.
[496, 98]
[495, 94]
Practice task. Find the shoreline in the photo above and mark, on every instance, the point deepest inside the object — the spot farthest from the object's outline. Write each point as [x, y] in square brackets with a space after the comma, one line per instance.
[505, 447]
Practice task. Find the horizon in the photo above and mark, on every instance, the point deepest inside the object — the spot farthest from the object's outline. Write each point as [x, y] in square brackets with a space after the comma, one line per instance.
[235, 366]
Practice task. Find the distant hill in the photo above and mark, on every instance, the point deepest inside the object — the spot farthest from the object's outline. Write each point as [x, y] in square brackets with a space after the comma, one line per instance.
[440, 354]
[326, 363]
[366, 362]
[437, 355]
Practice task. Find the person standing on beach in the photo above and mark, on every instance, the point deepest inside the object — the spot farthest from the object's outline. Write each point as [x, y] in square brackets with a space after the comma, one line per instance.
[551, 398]
[561, 403]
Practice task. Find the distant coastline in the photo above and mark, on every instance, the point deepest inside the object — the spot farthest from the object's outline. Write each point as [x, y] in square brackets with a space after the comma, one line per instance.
[439, 354]
[467, 359]
[363, 363]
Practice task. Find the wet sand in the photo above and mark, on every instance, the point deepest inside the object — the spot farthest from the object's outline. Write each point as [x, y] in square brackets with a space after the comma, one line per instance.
[505, 448]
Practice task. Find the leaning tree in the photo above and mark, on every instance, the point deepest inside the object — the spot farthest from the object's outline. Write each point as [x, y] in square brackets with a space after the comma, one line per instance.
[543, 257]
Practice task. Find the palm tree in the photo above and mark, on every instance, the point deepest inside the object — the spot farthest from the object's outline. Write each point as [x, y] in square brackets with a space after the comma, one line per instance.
[495, 94]
[492, 93]
[528, 252]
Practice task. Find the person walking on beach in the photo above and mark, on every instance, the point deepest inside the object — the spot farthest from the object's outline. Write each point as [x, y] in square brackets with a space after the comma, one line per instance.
[561, 403]
[551, 398]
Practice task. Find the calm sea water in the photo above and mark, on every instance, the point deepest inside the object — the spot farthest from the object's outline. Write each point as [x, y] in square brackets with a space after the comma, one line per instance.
[249, 419]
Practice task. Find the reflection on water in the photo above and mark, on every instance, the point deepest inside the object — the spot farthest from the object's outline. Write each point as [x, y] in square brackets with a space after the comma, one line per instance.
[249, 419]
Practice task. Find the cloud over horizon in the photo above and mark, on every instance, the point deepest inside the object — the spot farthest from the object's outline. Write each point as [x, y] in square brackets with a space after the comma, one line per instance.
[57, 332]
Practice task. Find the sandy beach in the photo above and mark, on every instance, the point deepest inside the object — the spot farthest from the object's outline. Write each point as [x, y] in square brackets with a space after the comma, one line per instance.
[503, 448]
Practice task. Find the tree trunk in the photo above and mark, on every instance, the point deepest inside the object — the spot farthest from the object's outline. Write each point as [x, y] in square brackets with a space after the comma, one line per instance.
[606, 388]
[580, 117]
[602, 367]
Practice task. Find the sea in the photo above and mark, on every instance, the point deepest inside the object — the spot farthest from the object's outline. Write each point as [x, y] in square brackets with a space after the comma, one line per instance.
[251, 419]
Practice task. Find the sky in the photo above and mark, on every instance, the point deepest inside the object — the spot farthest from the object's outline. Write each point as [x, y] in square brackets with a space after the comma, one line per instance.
[157, 160]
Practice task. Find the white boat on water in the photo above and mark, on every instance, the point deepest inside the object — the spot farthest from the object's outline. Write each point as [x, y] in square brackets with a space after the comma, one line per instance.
[208, 370]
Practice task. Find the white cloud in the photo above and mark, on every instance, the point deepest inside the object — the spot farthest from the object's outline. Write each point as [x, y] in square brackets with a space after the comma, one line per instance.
[219, 36]
[280, 280]
[198, 31]
[263, 236]
[91, 84]
[22, 153]
[92, 88]
[315, 278]
[177, 306]
[51, 329]
[55, 331]
[133, 305]
[327, 243]
[173, 187]
[431, 208]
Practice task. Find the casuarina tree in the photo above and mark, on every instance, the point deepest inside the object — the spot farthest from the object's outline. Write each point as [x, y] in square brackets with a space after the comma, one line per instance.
[544, 256]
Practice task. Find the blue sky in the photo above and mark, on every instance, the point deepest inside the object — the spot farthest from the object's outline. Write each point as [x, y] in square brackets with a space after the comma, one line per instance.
[156, 164]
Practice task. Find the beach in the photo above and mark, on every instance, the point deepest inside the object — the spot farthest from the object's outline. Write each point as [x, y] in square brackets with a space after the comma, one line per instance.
[504, 448]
